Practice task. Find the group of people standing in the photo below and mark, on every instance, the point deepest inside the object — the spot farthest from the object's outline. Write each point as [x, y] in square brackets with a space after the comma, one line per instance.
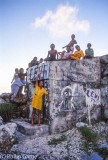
[18, 82]
[19, 77]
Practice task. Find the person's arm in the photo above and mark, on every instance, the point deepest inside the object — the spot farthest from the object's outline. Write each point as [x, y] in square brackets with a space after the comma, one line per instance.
[65, 46]
[47, 97]
[93, 52]
[56, 57]
[38, 74]
[13, 78]
[75, 42]
[48, 54]
[83, 55]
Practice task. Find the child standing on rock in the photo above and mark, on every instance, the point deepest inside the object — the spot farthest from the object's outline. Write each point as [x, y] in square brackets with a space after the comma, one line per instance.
[37, 99]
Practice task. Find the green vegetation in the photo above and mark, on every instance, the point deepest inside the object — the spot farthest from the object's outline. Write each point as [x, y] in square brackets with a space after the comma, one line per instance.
[55, 141]
[7, 111]
[90, 138]
[90, 141]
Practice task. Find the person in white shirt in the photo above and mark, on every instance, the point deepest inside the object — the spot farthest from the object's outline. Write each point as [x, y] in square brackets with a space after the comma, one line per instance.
[66, 55]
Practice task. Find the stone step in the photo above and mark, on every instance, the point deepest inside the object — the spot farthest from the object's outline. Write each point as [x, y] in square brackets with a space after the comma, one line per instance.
[27, 129]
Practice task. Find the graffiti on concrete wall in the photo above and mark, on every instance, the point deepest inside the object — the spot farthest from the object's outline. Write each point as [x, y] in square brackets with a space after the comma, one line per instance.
[76, 71]
[32, 72]
[93, 96]
[67, 95]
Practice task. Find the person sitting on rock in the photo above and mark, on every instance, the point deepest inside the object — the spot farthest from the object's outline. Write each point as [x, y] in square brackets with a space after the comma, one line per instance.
[72, 43]
[77, 54]
[40, 61]
[52, 54]
[89, 52]
[34, 62]
[37, 98]
[66, 55]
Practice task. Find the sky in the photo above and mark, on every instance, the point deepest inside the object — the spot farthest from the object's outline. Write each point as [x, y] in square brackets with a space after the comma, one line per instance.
[28, 27]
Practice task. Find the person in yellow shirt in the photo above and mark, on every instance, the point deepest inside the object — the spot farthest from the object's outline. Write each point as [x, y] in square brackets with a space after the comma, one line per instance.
[37, 99]
[78, 54]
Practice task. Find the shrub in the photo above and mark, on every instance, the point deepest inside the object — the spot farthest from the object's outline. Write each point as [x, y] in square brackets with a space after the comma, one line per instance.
[7, 111]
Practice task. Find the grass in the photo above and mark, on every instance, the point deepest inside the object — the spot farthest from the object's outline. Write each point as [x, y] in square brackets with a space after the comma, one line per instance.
[90, 138]
[55, 141]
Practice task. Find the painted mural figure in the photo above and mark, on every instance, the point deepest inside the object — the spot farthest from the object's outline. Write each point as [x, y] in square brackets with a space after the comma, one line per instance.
[71, 43]
[89, 52]
[66, 99]
[52, 54]
[37, 98]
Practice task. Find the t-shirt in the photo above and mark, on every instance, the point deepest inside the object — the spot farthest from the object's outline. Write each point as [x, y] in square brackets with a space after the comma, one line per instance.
[37, 98]
[89, 52]
[67, 54]
[77, 55]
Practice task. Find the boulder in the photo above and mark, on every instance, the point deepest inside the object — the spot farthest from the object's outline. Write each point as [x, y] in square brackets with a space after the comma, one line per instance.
[27, 129]
[2, 101]
[7, 136]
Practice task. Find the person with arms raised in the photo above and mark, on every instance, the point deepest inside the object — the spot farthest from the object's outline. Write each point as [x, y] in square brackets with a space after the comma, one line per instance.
[37, 98]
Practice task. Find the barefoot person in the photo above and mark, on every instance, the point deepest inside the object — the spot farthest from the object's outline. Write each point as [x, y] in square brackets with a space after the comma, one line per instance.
[52, 54]
[37, 99]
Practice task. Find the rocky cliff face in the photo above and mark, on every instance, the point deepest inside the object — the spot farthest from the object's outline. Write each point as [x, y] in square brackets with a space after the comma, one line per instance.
[78, 91]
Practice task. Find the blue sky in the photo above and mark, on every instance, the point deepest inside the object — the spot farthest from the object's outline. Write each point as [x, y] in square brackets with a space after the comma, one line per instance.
[28, 27]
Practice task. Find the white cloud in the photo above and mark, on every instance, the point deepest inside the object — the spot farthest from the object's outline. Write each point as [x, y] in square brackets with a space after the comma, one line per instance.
[62, 22]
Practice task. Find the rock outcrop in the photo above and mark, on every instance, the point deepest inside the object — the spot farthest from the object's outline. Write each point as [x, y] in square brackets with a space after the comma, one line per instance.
[77, 89]
[7, 136]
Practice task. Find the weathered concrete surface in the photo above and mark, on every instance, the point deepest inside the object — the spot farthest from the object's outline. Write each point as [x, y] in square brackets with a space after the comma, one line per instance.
[27, 129]
[74, 90]
[104, 86]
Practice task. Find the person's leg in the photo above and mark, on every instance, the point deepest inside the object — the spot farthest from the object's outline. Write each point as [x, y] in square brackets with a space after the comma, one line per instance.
[39, 114]
[33, 114]
[19, 95]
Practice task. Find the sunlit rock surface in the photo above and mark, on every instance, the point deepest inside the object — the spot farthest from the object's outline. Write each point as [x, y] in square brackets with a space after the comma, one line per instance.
[78, 91]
